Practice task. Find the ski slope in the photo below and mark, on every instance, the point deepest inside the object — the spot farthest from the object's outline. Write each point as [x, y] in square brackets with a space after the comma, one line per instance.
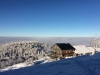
[83, 65]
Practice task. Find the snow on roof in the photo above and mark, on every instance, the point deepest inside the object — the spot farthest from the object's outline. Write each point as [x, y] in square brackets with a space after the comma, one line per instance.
[82, 49]
[98, 49]
[90, 48]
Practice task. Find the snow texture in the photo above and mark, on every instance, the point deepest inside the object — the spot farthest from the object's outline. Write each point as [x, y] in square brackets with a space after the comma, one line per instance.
[82, 65]
[21, 65]
[22, 51]
[16, 66]
[82, 49]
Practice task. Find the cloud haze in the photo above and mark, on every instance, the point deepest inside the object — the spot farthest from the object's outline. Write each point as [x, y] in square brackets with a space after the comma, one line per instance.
[50, 40]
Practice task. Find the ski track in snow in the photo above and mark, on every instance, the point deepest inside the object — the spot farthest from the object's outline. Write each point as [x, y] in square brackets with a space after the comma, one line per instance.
[86, 69]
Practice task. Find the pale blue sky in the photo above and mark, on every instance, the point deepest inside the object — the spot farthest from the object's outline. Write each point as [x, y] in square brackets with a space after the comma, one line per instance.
[49, 18]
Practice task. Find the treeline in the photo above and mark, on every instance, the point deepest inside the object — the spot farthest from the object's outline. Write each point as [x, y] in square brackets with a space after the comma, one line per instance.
[25, 51]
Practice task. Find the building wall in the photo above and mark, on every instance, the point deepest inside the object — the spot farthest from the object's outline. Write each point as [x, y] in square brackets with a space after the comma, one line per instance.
[67, 53]
[57, 50]
[58, 53]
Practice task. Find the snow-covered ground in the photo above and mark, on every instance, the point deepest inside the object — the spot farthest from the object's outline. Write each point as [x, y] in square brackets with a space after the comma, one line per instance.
[21, 65]
[83, 65]
[16, 66]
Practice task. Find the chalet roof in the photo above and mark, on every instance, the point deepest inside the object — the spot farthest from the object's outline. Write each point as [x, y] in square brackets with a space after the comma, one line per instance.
[65, 46]
[83, 49]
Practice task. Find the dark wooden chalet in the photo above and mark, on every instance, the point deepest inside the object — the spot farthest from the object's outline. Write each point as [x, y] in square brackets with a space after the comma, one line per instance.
[62, 50]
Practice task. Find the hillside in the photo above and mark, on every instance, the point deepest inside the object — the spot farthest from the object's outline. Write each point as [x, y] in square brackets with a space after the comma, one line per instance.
[23, 51]
[84, 65]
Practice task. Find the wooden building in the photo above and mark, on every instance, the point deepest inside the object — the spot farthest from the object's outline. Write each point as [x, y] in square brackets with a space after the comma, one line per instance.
[62, 50]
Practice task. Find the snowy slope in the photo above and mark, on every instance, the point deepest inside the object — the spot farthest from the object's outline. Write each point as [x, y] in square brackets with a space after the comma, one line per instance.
[21, 65]
[16, 66]
[83, 65]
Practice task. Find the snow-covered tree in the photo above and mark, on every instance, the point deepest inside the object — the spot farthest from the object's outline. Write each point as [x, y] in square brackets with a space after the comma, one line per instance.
[18, 52]
[95, 43]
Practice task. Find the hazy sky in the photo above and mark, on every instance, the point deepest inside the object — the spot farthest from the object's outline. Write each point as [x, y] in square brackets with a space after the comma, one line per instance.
[50, 18]
[50, 40]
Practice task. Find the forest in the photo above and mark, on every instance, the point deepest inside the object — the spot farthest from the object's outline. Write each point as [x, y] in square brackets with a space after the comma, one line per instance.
[22, 51]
